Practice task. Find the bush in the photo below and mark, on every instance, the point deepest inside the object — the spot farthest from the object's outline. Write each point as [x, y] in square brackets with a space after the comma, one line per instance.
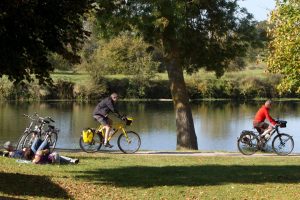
[6, 88]
[63, 89]
[244, 88]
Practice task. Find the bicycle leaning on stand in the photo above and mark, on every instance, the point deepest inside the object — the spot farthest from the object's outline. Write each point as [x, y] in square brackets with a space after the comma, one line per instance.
[250, 142]
[30, 132]
[92, 139]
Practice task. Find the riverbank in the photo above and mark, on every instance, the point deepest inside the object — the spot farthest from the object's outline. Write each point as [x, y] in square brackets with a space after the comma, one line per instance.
[241, 85]
[120, 176]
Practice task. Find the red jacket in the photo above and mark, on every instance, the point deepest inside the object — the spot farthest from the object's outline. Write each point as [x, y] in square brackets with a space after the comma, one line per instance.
[262, 114]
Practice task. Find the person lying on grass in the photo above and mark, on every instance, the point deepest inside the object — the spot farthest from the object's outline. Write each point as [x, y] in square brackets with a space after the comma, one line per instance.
[39, 153]
[42, 154]
[10, 151]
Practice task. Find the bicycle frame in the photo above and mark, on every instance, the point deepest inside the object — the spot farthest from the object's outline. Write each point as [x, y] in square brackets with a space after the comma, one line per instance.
[275, 130]
[120, 127]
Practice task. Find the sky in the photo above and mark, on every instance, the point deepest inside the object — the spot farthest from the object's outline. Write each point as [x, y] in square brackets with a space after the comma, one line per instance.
[259, 8]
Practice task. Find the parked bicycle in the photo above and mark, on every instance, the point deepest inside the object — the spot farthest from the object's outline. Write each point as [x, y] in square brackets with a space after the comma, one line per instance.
[92, 139]
[33, 119]
[250, 142]
[51, 133]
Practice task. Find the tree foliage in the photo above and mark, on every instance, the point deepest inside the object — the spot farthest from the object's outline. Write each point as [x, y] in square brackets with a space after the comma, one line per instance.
[58, 62]
[284, 57]
[124, 54]
[205, 33]
[30, 29]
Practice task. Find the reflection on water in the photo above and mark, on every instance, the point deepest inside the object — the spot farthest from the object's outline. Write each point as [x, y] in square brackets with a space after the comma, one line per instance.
[217, 123]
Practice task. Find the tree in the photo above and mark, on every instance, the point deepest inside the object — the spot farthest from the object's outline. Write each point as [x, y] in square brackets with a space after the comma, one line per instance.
[31, 29]
[284, 47]
[58, 62]
[125, 54]
[256, 52]
[191, 34]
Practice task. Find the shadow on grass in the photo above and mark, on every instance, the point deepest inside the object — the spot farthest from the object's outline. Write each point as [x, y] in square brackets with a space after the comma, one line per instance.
[193, 175]
[31, 185]
[9, 198]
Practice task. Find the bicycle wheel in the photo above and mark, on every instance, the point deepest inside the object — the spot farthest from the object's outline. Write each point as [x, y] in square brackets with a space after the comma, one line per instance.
[129, 144]
[21, 141]
[29, 138]
[93, 146]
[283, 144]
[247, 143]
[52, 140]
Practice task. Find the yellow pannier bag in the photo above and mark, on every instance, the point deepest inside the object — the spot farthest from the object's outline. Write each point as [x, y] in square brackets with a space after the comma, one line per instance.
[87, 136]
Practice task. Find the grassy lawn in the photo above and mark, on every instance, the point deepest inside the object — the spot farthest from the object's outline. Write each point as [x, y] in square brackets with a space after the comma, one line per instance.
[119, 176]
[80, 78]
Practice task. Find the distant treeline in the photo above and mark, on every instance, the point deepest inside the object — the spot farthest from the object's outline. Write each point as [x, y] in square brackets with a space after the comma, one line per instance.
[242, 88]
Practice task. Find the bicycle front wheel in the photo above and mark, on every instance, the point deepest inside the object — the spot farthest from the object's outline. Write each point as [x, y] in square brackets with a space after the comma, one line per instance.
[130, 143]
[247, 143]
[283, 144]
[21, 141]
[92, 146]
[28, 140]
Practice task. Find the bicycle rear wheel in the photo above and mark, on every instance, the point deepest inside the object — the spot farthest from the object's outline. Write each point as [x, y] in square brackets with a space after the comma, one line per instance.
[52, 140]
[129, 144]
[283, 144]
[93, 146]
[247, 143]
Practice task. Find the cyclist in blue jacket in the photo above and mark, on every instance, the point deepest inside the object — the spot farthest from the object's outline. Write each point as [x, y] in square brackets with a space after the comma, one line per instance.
[101, 112]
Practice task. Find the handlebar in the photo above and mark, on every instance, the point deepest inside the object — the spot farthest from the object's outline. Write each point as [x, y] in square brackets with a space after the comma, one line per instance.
[32, 117]
[281, 123]
[36, 117]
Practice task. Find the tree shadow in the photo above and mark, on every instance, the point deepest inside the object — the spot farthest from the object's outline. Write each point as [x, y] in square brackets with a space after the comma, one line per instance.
[31, 185]
[142, 176]
[9, 198]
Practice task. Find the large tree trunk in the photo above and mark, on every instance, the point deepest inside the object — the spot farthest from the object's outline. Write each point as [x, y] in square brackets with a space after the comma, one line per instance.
[186, 136]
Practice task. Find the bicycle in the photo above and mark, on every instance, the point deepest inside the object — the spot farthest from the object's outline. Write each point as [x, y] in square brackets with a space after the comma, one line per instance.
[27, 130]
[51, 134]
[92, 139]
[250, 142]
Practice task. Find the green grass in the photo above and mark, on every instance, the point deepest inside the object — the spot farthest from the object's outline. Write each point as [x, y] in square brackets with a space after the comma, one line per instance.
[119, 176]
[82, 77]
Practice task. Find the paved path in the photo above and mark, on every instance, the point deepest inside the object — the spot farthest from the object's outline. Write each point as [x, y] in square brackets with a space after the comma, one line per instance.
[186, 153]
[208, 154]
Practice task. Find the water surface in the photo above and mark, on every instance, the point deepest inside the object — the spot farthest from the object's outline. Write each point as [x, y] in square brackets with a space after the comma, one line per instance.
[217, 123]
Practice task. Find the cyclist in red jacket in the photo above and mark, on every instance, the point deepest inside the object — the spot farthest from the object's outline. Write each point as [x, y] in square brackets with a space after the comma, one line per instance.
[259, 120]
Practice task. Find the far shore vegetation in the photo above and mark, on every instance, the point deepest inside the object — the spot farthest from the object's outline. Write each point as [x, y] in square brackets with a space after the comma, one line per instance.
[250, 83]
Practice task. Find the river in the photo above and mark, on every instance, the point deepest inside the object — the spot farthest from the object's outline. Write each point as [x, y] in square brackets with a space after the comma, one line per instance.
[217, 123]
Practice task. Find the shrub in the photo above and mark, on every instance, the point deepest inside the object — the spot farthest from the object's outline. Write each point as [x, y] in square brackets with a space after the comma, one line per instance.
[64, 89]
[6, 88]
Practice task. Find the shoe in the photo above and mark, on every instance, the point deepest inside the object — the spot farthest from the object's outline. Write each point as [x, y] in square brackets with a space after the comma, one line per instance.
[75, 161]
[108, 145]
